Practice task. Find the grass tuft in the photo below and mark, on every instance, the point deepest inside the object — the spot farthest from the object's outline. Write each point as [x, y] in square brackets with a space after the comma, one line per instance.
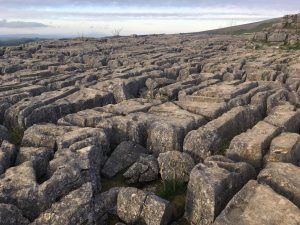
[116, 181]
[170, 189]
[291, 47]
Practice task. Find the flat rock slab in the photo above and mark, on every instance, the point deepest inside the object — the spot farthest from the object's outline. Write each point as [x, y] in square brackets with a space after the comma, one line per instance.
[285, 118]
[258, 204]
[284, 179]
[285, 148]
[252, 145]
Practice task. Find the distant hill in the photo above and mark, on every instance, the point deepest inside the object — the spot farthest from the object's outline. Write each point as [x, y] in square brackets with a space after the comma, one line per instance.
[17, 41]
[245, 28]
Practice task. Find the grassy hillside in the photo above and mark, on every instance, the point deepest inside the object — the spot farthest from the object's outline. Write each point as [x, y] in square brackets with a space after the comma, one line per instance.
[16, 41]
[245, 28]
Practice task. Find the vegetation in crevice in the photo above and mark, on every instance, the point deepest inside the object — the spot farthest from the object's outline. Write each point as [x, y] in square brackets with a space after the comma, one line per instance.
[224, 146]
[16, 136]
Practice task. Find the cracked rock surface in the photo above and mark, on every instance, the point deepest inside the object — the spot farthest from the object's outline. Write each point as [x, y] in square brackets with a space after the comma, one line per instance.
[155, 130]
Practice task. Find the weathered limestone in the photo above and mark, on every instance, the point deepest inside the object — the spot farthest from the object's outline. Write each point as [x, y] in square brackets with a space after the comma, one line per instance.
[252, 145]
[212, 185]
[210, 139]
[258, 204]
[117, 104]
[8, 153]
[285, 148]
[39, 157]
[122, 157]
[3, 133]
[171, 125]
[285, 117]
[106, 203]
[75, 208]
[18, 187]
[145, 169]
[175, 166]
[44, 135]
[136, 206]
[11, 215]
[223, 92]
[282, 178]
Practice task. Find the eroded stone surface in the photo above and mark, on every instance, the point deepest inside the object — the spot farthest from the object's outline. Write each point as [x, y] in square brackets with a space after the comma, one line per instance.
[254, 205]
[181, 98]
[212, 185]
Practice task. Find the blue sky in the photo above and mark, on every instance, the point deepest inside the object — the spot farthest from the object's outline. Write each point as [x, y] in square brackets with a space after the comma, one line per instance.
[66, 17]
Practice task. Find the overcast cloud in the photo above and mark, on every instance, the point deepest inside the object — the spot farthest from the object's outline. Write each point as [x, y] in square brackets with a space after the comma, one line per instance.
[20, 24]
[136, 16]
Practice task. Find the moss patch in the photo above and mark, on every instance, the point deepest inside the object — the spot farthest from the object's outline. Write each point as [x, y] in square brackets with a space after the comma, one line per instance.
[170, 189]
[16, 136]
[181, 221]
[116, 181]
[175, 192]
[224, 146]
[113, 219]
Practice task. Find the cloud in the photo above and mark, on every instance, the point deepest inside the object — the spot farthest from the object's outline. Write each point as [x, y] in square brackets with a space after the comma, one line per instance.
[287, 4]
[20, 24]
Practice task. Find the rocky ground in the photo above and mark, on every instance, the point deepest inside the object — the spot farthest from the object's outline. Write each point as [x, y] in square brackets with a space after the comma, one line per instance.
[162, 129]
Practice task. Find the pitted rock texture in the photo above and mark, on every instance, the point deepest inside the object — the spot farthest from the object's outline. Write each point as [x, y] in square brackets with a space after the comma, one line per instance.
[91, 128]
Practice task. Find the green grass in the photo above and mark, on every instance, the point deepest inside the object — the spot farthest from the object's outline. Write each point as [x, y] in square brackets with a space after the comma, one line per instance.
[291, 47]
[116, 181]
[182, 221]
[224, 146]
[175, 192]
[170, 189]
[113, 219]
[16, 136]
[259, 28]
[17, 41]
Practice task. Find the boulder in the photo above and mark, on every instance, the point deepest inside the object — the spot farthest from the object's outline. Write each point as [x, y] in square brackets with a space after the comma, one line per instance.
[260, 36]
[156, 211]
[211, 138]
[11, 215]
[130, 204]
[3, 133]
[251, 146]
[284, 179]
[122, 157]
[285, 117]
[106, 203]
[39, 157]
[75, 208]
[137, 207]
[145, 169]
[8, 153]
[212, 185]
[277, 37]
[175, 165]
[258, 204]
[18, 187]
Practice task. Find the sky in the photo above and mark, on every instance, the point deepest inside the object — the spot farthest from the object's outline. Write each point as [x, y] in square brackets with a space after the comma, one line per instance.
[103, 17]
